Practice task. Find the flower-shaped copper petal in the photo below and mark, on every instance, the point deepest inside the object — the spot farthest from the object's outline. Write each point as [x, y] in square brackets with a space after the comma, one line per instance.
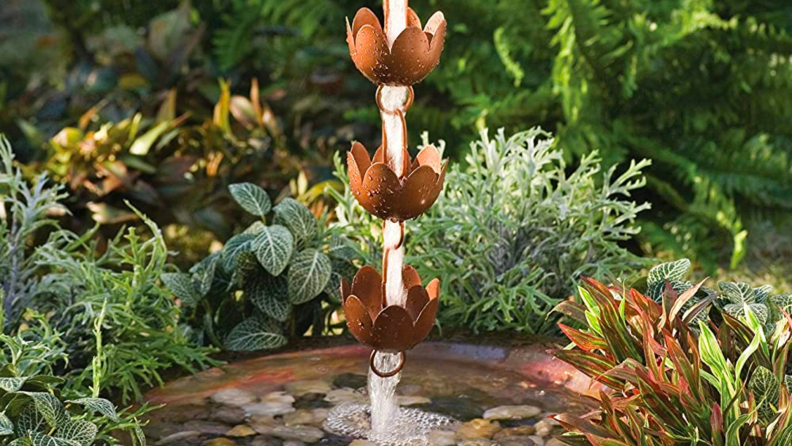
[377, 188]
[389, 328]
[414, 54]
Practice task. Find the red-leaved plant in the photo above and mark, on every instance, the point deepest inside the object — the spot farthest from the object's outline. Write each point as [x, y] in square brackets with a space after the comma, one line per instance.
[668, 382]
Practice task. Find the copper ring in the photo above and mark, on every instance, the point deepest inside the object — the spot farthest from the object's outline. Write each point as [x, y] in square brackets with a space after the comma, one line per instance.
[406, 106]
[393, 372]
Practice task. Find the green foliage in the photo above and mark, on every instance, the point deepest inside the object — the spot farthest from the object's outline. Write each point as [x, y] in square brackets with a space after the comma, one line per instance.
[513, 227]
[670, 385]
[695, 86]
[120, 287]
[39, 408]
[141, 117]
[26, 209]
[104, 304]
[276, 279]
[734, 298]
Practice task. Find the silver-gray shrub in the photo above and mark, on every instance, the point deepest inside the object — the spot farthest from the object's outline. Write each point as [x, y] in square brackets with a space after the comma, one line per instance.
[513, 229]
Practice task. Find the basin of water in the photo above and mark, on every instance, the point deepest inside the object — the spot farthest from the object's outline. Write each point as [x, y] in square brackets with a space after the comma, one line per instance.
[448, 394]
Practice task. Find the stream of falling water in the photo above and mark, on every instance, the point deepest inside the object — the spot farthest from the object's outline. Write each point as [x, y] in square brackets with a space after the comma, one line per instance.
[382, 392]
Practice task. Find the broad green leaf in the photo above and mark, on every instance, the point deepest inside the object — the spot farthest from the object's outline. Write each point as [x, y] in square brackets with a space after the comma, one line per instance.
[270, 295]
[671, 271]
[6, 426]
[100, 405]
[341, 249]
[252, 198]
[12, 384]
[203, 273]
[740, 311]
[309, 273]
[42, 439]
[80, 431]
[233, 247]
[49, 407]
[273, 248]
[254, 334]
[31, 420]
[300, 221]
[763, 292]
[255, 228]
[738, 293]
[765, 387]
[181, 285]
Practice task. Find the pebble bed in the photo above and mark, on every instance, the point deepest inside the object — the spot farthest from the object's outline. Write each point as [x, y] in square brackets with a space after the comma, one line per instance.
[296, 415]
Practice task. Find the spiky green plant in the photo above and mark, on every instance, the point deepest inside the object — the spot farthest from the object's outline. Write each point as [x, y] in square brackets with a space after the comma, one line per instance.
[68, 277]
[39, 408]
[668, 385]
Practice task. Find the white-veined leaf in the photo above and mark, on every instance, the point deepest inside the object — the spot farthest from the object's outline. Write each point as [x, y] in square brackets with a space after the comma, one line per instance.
[270, 295]
[670, 271]
[254, 333]
[181, 285]
[81, 431]
[12, 384]
[233, 247]
[30, 420]
[252, 198]
[300, 221]
[309, 273]
[100, 405]
[738, 293]
[49, 407]
[41, 439]
[273, 248]
[6, 426]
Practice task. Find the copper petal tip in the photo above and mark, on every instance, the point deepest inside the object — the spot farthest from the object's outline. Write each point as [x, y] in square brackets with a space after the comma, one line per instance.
[345, 290]
[392, 328]
[388, 197]
[415, 52]
[428, 156]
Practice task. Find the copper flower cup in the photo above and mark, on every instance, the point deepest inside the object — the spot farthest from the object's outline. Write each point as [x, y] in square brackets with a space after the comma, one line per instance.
[377, 188]
[415, 52]
[389, 328]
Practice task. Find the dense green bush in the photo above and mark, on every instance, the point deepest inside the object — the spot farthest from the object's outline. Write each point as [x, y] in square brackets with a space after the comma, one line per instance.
[277, 279]
[696, 86]
[513, 227]
[103, 303]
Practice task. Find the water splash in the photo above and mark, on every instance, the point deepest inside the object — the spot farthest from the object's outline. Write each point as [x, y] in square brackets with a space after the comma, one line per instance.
[383, 421]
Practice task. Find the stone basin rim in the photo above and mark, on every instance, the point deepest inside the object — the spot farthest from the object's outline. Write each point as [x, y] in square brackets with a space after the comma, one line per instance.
[531, 362]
